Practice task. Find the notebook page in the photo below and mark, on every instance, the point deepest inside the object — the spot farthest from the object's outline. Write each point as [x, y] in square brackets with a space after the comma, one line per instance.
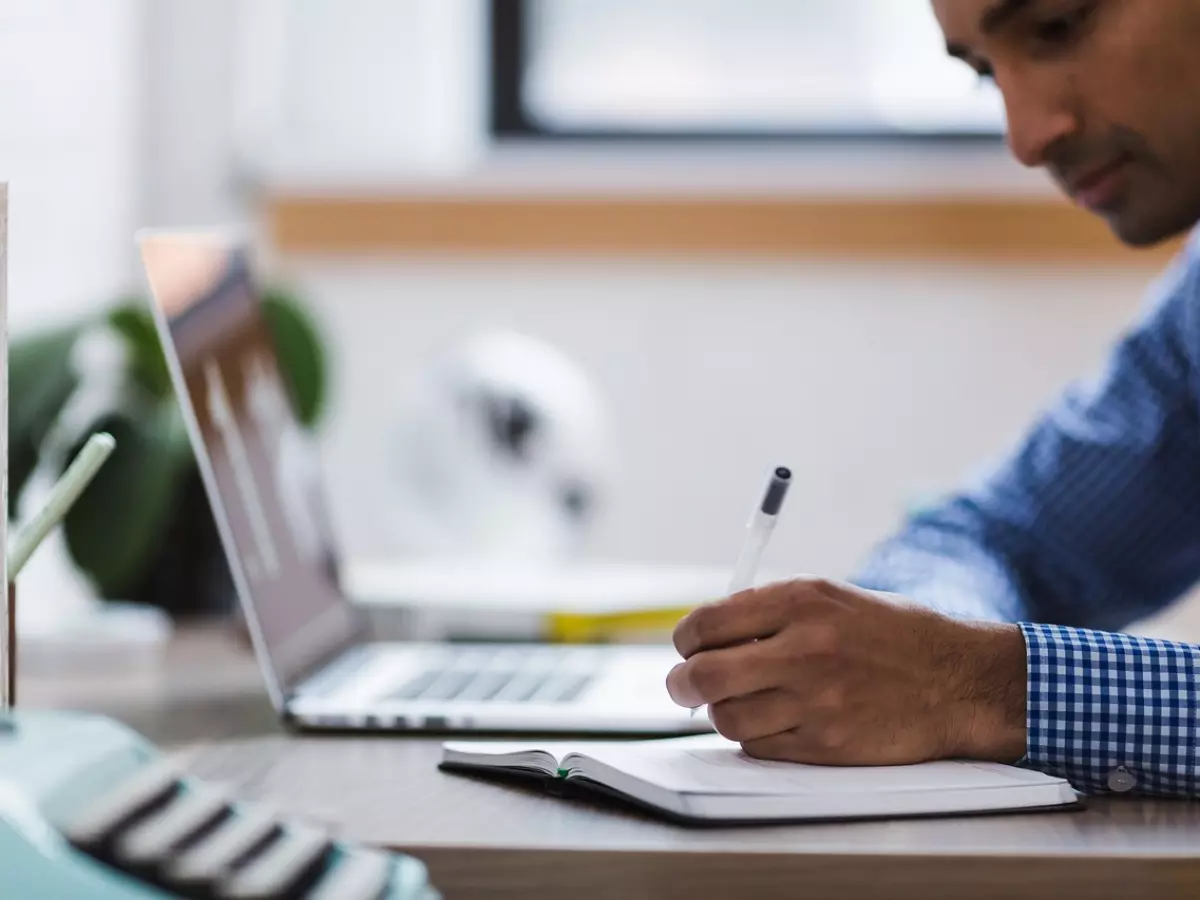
[505, 753]
[711, 764]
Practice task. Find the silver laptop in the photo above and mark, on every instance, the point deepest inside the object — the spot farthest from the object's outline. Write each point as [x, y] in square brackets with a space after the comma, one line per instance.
[261, 472]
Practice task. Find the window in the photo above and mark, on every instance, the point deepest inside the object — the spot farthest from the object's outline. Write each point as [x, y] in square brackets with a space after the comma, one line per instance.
[679, 68]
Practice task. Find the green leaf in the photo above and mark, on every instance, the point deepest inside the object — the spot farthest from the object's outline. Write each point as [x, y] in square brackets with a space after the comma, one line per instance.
[302, 359]
[113, 529]
[298, 342]
[40, 380]
[133, 321]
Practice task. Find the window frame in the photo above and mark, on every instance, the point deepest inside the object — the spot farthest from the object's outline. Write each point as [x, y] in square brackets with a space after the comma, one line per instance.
[508, 118]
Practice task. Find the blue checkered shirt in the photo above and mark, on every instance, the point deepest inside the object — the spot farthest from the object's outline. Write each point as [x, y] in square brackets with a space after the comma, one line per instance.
[1090, 523]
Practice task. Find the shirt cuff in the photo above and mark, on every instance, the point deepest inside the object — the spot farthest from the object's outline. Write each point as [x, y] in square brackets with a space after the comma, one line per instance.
[1113, 712]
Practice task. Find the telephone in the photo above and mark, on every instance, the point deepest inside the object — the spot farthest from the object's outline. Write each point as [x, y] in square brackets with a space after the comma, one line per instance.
[90, 810]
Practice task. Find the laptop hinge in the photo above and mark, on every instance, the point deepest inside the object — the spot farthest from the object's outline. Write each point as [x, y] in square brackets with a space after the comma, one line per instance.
[325, 679]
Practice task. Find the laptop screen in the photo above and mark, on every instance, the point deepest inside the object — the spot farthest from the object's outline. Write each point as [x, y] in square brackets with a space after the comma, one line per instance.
[260, 466]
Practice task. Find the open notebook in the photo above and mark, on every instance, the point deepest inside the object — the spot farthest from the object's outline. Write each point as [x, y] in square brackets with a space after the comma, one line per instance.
[707, 779]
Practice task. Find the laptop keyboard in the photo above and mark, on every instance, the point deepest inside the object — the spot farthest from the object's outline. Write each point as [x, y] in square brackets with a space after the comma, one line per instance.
[477, 678]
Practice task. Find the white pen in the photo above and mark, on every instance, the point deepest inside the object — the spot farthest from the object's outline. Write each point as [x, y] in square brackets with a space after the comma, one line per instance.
[758, 532]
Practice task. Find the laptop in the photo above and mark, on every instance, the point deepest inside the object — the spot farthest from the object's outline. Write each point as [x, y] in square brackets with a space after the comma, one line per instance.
[262, 475]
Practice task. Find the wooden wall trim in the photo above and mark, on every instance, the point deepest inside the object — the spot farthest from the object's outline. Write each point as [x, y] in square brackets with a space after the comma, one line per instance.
[985, 229]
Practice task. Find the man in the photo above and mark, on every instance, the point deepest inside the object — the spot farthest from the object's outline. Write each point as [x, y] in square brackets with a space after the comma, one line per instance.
[1091, 523]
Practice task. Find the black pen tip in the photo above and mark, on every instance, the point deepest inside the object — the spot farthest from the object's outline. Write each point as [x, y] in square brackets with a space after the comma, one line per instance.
[776, 491]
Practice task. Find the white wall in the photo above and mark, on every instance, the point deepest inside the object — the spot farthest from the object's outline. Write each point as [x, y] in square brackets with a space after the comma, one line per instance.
[70, 148]
[125, 113]
[242, 93]
[189, 57]
[873, 381]
[357, 90]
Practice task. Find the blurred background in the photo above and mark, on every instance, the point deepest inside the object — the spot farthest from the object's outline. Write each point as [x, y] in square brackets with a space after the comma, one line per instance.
[755, 234]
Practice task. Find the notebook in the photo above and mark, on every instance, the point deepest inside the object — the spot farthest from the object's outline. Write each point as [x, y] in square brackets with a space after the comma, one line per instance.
[709, 780]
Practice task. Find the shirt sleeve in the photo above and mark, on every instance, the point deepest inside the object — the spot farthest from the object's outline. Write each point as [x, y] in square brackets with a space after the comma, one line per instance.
[1112, 712]
[1092, 522]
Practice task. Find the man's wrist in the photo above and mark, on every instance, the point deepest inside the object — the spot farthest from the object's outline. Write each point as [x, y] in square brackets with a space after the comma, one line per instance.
[992, 695]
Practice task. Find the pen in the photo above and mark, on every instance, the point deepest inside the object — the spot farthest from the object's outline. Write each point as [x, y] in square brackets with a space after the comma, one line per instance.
[758, 532]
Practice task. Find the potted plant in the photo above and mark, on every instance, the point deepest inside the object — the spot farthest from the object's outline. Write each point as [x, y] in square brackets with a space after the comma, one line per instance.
[143, 531]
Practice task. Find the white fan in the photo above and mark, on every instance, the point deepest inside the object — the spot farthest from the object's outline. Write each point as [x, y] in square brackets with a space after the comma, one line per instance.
[503, 453]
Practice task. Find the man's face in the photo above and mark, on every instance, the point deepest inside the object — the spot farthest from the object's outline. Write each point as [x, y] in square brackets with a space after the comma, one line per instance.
[1104, 93]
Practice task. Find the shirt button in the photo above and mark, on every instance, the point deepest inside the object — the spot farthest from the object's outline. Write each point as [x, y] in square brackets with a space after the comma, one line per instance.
[1121, 780]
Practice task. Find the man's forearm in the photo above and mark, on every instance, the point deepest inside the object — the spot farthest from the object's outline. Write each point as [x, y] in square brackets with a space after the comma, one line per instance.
[954, 573]
[1106, 711]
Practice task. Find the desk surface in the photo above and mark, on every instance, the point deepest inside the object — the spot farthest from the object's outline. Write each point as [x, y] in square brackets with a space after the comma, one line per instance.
[207, 686]
[483, 838]
[479, 836]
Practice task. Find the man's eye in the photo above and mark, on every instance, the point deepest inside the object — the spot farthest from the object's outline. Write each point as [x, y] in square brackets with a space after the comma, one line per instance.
[1065, 28]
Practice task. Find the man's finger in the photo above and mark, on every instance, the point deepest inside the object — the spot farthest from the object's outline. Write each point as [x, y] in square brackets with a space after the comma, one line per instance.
[747, 616]
[786, 746]
[715, 675]
[818, 744]
[755, 716]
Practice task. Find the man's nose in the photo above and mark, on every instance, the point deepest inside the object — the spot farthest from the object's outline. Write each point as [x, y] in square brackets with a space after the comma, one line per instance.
[1039, 118]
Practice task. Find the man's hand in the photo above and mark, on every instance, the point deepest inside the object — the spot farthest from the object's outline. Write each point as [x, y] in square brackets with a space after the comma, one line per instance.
[818, 672]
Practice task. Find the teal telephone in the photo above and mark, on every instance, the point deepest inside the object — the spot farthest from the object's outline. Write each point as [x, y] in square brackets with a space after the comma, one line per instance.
[90, 810]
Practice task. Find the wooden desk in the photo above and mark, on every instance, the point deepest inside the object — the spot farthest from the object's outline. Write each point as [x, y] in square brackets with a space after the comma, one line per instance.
[208, 686]
[484, 839]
